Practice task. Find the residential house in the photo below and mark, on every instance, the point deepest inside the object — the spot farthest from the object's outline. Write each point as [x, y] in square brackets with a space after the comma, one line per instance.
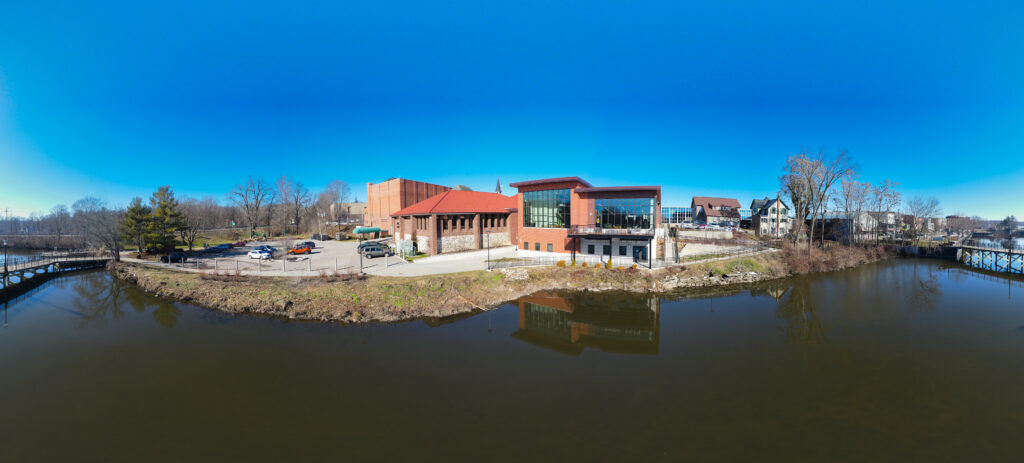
[770, 217]
[721, 211]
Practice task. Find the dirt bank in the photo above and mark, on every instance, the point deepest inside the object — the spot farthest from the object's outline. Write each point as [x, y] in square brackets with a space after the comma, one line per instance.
[390, 299]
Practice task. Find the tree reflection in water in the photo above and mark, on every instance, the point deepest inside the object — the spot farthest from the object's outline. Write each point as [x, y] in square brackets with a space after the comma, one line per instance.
[925, 291]
[98, 299]
[798, 308]
[103, 298]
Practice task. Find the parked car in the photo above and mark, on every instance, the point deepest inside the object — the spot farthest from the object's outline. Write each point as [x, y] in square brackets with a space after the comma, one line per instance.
[264, 247]
[173, 257]
[366, 244]
[239, 244]
[217, 248]
[311, 244]
[300, 249]
[260, 254]
[377, 251]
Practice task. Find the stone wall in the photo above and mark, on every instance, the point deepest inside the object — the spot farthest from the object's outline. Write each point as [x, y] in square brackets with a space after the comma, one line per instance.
[457, 243]
[423, 244]
[496, 239]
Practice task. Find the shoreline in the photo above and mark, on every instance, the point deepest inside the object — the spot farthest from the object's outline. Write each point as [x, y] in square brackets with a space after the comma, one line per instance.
[394, 299]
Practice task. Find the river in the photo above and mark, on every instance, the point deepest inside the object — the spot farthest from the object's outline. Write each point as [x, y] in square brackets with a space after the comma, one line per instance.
[906, 360]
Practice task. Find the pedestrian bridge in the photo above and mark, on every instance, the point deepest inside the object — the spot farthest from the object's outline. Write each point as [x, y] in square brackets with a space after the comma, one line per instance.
[21, 274]
[996, 260]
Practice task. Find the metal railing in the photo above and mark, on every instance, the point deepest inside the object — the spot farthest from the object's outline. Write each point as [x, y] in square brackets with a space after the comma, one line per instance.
[18, 263]
[593, 229]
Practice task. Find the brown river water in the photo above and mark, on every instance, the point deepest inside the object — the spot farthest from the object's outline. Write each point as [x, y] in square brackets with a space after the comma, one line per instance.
[906, 360]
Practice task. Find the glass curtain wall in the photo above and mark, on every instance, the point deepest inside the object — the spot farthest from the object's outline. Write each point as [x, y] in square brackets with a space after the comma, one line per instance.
[624, 213]
[546, 209]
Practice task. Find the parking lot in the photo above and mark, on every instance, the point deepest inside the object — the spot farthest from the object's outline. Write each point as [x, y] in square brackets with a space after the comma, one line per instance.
[327, 256]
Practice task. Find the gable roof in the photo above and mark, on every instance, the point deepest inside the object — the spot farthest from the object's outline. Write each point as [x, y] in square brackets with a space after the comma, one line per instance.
[758, 204]
[461, 202]
[709, 201]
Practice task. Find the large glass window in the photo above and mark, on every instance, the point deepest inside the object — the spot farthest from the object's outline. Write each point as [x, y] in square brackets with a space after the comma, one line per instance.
[546, 209]
[624, 212]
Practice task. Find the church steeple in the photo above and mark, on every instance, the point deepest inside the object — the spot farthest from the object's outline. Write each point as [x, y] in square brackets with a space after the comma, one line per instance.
[497, 189]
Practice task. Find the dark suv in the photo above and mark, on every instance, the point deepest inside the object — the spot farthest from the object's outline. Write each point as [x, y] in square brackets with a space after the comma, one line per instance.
[174, 257]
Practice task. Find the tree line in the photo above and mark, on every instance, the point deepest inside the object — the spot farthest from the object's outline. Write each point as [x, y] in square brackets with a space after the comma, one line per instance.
[158, 223]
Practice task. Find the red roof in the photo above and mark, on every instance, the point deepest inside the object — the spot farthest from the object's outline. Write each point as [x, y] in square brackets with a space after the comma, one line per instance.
[461, 202]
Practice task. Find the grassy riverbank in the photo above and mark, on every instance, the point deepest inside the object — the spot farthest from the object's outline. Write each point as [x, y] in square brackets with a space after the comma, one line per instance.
[388, 299]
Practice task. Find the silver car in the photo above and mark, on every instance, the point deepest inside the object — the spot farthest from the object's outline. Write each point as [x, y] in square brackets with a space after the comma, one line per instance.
[377, 251]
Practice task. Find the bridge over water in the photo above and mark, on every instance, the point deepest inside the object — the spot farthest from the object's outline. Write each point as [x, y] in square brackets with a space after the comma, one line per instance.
[994, 259]
[21, 274]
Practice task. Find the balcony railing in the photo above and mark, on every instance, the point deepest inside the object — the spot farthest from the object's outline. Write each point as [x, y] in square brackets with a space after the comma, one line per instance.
[596, 230]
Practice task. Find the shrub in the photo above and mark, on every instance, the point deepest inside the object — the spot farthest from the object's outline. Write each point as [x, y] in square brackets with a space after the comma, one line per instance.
[560, 263]
[621, 268]
[573, 263]
[608, 265]
[633, 267]
[584, 264]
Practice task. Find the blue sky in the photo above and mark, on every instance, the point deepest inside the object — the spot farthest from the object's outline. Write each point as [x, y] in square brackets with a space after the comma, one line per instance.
[115, 99]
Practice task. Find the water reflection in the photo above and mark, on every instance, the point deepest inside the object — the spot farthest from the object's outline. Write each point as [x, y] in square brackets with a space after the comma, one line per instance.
[569, 323]
[799, 308]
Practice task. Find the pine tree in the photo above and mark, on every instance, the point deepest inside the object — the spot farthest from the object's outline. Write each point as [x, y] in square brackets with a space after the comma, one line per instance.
[136, 224]
[166, 219]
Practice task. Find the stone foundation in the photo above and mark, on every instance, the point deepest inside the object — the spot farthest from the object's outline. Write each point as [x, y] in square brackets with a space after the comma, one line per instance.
[457, 243]
[496, 239]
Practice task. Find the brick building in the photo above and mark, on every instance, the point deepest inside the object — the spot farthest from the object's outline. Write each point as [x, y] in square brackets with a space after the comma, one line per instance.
[456, 220]
[569, 215]
[386, 198]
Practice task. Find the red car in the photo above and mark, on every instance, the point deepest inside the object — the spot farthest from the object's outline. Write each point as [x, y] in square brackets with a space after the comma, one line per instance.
[240, 244]
[300, 249]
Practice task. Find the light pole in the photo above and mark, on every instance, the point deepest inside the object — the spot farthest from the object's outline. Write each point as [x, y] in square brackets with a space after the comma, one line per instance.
[488, 251]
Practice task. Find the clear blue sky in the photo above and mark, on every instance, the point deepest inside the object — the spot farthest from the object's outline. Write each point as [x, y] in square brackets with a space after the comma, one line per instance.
[704, 98]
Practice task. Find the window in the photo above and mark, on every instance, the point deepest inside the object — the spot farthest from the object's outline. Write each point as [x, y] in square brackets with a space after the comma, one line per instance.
[526, 245]
[536, 246]
[590, 249]
[606, 250]
[546, 209]
[624, 212]
[550, 248]
[622, 250]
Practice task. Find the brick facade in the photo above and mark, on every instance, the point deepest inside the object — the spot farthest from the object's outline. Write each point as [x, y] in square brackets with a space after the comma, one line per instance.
[386, 198]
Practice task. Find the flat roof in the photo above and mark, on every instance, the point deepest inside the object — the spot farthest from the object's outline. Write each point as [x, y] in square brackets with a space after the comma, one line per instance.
[611, 189]
[550, 180]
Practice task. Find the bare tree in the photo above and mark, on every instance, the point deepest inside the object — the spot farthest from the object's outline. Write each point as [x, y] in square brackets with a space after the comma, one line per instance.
[249, 197]
[884, 198]
[60, 219]
[922, 210]
[796, 188]
[850, 199]
[99, 225]
[295, 197]
[815, 175]
[198, 215]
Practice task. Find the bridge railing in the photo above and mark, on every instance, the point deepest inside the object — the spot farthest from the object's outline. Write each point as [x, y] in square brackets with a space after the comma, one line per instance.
[18, 263]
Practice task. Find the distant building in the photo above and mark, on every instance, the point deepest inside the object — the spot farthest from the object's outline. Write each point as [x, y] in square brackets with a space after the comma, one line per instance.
[709, 210]
[456, 220]
[770, 217]
[392, 195]
[348, 213]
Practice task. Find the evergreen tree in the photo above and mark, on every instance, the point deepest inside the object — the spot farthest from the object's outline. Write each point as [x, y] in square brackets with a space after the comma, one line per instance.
[166, 219]
[136, 224]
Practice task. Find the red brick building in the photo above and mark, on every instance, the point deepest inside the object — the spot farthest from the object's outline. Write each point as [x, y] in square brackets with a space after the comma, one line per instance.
[386, 198]
[569, 215]
[457, 220]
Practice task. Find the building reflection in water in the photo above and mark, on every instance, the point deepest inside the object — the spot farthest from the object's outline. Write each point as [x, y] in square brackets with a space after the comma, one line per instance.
[569, 323]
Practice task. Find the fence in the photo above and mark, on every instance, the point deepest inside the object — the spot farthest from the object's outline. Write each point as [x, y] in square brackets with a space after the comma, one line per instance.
[621, 262]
